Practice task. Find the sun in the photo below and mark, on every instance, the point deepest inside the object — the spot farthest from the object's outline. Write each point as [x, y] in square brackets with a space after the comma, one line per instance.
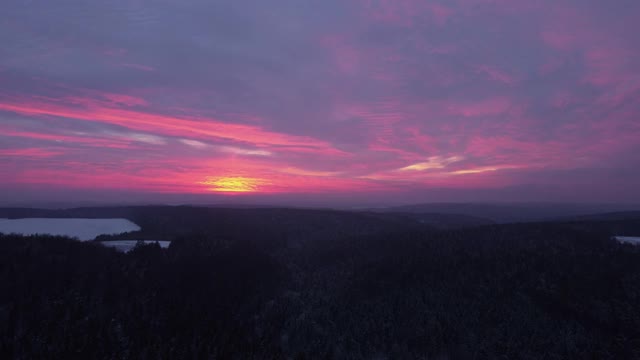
[234, 184]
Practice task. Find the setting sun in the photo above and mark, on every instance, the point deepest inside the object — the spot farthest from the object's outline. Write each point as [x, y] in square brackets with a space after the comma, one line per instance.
[236, 184]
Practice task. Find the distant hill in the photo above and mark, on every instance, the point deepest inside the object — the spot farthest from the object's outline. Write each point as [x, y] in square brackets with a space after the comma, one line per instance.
[611, 216]
[444, 220]
[509, 213]
[167, 222]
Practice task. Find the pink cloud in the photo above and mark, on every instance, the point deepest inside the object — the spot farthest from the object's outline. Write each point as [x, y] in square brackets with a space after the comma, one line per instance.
[97, 111]
[345, 57]
[440, 13]
[30, 152]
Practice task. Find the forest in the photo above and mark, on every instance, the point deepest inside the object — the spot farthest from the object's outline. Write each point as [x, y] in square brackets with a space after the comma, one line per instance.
[297, 284]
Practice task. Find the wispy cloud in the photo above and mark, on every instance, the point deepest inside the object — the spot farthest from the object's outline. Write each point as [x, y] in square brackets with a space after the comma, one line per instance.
[194, 143]
[306, 172]
[139, 137]
[242, 151]
[433, 163]
[225, 149]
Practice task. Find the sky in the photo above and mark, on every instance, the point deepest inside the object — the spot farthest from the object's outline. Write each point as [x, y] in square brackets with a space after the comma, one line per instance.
[363, 101]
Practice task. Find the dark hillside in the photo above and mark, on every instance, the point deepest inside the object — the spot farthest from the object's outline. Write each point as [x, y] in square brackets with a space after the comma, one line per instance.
[348, 287]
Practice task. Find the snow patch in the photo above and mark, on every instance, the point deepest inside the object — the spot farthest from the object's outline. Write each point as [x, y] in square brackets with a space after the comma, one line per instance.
[628, 239]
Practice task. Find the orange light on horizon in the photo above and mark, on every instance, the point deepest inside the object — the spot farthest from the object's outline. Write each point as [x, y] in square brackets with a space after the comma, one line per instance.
[234, 184]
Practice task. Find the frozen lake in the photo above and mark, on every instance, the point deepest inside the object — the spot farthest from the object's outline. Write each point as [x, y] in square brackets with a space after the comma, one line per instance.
[628, 239]
[128, 245]
[83, 229]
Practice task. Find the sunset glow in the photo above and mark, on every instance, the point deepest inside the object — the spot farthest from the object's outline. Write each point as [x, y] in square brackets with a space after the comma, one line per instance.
[233, 184]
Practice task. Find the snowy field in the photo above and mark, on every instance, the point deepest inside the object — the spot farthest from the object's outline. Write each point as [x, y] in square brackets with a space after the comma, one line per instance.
[128, 245]
[83, 229]
[629, 239]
